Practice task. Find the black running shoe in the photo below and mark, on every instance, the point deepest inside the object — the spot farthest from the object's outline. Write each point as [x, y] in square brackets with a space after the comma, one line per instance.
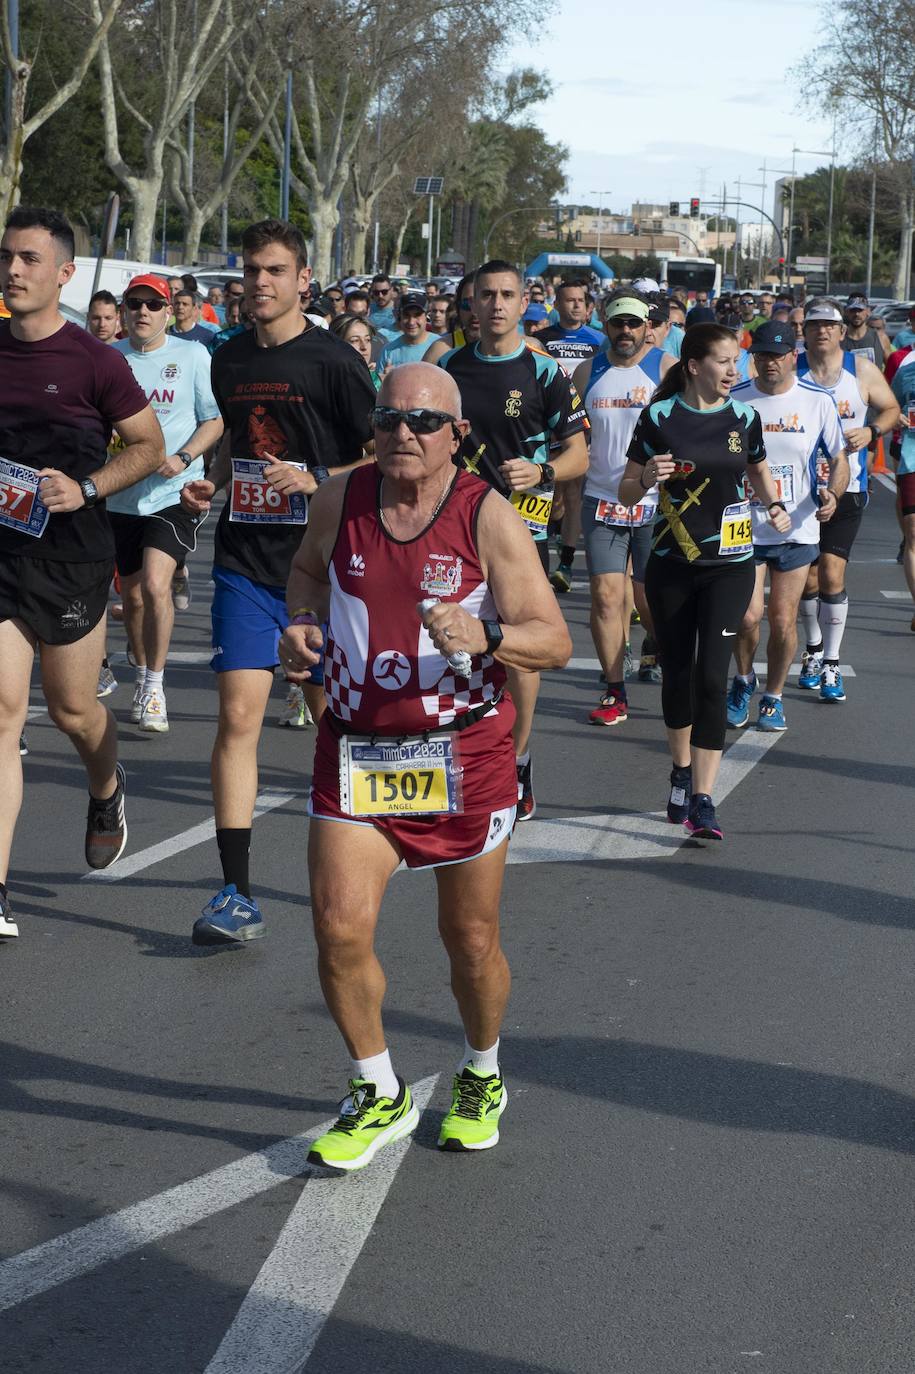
[681, 785]
[23, 745]
[527, 806]
[8, 927]
[701, 822]
[106, 826]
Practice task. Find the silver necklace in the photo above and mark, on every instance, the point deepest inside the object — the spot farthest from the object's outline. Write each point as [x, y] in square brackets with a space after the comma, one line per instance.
[435, 509]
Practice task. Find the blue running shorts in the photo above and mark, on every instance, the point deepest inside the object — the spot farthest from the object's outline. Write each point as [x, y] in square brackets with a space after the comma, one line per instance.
[248, 619]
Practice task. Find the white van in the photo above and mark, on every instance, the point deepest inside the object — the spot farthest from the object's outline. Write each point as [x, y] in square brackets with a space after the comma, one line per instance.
[116, 275]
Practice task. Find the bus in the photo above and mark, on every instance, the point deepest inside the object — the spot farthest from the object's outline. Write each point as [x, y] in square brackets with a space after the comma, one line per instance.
[691, 274]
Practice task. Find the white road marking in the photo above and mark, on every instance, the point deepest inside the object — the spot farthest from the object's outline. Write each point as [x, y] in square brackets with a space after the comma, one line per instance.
[888, 481]
[570, 839]
[110, 1238]
[180, 658]
[592, 665]
[897, 596]
[298, 1286]
[187, 839]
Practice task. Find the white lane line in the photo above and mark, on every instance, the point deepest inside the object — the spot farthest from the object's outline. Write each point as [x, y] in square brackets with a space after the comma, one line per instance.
[648, 835]
[166, 849]
[180, 658]
[592, 665]
[888, 481]
[297, 1288]
[897, 596]
[109, 1238]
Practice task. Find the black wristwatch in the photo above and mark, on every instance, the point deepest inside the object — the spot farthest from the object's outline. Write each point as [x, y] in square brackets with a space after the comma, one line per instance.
[547, 475]
[90, 492]
[320, 474]
[781, 504]
[876, 432]
[186, 458]
[493, 632]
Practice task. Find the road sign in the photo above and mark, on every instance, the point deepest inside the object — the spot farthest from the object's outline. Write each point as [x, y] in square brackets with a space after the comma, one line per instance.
[428, 186]
[810, 262]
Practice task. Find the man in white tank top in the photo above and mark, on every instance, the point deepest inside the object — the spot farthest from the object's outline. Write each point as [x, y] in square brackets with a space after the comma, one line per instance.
[616, 384]
[859, 389]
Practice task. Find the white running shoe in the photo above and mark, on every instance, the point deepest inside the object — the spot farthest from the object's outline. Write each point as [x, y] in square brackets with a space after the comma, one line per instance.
[107, 682]
[181, 589]
[295, 713]
[153, 715]
[136, 706]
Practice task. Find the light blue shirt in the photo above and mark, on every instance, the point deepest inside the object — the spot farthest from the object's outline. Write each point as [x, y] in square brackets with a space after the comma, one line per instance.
[674, 341]
[399, 351]
[904, 391]
[176, 381]
[904, 339]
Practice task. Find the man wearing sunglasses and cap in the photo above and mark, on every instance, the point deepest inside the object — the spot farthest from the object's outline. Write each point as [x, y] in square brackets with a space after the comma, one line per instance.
[153, 532]
[616, 385]
[861, 337]
[802, 434]
[431, 589]
[295, 400]
[867, 409]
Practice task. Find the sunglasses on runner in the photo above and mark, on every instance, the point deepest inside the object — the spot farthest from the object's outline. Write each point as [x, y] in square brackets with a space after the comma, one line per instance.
[137, 303]
[381, 291]
[386, 418]
[625, 322]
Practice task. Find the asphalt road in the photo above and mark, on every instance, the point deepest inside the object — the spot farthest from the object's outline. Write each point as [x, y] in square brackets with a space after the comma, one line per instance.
[707, 1159]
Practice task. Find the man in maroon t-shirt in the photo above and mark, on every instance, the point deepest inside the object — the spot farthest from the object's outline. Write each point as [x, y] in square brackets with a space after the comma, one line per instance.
[63, 394]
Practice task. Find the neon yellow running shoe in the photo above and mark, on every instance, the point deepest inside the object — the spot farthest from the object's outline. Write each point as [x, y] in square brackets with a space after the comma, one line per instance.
[476, 1105]
[366, 1122]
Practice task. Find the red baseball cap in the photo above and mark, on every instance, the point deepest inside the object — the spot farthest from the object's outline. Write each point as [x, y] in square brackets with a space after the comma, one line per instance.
[157, 284]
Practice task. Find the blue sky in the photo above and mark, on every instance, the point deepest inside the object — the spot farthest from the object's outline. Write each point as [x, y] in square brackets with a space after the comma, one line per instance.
[648, 108]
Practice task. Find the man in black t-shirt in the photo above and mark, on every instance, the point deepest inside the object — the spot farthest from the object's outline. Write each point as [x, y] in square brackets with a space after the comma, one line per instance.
[296, 402]
[63, 393]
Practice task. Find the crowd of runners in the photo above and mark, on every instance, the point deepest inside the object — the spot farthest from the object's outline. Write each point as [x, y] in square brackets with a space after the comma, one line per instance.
[393, 471]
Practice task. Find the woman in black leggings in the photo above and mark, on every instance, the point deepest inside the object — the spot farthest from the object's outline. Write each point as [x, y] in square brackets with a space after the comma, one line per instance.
[696, 444]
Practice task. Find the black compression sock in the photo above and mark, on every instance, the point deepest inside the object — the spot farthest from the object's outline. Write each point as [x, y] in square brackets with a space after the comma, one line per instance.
[3, 891]
[618, 689]
[234, 853]
[566, 554]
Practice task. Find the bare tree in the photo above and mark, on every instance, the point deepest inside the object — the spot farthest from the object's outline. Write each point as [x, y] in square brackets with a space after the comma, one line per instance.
[865, 70]
[374, 40]
[185, 54]
[184, 178]
[20, 127]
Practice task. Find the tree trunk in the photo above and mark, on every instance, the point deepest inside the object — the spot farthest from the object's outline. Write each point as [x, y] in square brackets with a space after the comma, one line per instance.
[900, 285]
[193, 232]
[473, 224]
[398, 240]
[324, 217]
[144, 195]
[360, 222]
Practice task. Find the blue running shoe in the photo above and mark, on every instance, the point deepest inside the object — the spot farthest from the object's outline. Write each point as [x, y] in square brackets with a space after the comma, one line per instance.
[811, 670]
[681, 785]
[739, 698]
[831, 688]
[702, 822]
[771, 714]
[229, 917]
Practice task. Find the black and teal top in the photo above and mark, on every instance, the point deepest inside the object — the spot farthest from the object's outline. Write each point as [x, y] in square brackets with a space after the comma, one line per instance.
[703, 512]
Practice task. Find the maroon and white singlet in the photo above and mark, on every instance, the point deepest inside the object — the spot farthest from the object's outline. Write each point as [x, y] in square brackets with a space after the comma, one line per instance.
[382, 674]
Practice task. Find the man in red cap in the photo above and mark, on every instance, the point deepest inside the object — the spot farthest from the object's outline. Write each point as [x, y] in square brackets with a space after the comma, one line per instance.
[63, 394]
[153, 532]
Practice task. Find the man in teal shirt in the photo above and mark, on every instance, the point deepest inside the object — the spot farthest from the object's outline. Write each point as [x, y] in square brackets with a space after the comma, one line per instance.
[414, 339]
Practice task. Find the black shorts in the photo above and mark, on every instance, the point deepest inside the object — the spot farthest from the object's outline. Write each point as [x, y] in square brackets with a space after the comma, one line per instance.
[543, 552]
[172, 531]
[59, 602]
[839, 533]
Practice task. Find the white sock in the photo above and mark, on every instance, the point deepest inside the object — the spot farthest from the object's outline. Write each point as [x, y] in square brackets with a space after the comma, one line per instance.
[141, 674]
[522, 760]
[483, 1062]
[833, 615]
[154, 681]
[773, 696]
[380, 1071]
[809, 609]
[745, 677]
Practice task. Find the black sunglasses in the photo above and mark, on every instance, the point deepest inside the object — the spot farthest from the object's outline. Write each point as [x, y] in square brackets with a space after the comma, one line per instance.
[386, 418]
[137, 303]
[625, 322]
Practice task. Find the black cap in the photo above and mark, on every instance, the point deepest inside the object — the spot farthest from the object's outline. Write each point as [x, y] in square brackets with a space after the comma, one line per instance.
[773, 337]
[701, 314]
[413, 300]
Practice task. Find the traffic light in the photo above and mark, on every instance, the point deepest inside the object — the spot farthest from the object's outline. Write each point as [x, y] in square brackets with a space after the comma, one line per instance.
[694, 207]
[675, 209]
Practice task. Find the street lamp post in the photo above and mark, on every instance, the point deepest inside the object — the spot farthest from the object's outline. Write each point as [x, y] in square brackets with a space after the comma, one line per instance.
[600, 213]
[831, 154]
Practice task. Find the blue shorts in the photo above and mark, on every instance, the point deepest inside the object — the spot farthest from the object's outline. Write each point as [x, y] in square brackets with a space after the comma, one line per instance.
[248, 619]
[787, 556]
